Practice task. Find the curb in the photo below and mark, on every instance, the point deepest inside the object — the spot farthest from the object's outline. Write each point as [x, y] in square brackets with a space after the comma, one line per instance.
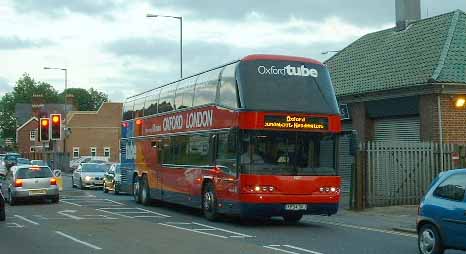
[405, 230]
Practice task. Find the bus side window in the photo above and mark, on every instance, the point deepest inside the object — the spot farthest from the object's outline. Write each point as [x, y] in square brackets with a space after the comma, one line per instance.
[226, 152]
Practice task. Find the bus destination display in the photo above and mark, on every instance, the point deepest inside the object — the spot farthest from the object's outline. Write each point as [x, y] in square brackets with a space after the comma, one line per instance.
[296, 122]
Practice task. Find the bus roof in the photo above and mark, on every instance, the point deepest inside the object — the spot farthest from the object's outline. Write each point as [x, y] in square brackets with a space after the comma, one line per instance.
[279, 57]
[244, 59]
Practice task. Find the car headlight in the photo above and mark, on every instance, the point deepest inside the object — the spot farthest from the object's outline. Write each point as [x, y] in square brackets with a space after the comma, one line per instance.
[87, 178]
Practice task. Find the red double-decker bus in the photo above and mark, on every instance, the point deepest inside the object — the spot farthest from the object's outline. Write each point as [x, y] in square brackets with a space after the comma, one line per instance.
[256, 137]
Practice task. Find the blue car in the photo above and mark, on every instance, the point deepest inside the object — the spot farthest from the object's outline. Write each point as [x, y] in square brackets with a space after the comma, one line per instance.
[441, 223]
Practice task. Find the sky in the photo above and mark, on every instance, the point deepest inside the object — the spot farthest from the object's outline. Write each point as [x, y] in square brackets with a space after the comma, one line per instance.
[112, 46]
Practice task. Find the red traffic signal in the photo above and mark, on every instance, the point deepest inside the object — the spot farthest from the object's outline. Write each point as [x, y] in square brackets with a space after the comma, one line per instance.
[44, 129]
[56, 126]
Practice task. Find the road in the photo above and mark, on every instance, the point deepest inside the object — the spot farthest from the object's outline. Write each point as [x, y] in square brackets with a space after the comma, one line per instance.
[90, 221]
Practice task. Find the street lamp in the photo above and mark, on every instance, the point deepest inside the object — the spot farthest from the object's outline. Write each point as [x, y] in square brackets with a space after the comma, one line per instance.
[64, 95]
[181, 36]
[330, 51]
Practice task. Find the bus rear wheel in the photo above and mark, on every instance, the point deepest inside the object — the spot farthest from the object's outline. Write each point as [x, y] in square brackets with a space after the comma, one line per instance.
[136, 191]
[145, 192]
[292, 218]
[209, 202]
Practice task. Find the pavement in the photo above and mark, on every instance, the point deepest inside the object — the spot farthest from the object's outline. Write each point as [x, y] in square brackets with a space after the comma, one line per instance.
[90, 221]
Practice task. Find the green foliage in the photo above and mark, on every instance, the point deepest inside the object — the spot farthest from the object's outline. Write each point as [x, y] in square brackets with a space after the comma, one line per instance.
[87, 100]
[26, 87]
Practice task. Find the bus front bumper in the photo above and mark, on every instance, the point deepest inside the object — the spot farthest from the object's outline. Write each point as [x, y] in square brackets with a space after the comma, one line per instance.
[269, 210]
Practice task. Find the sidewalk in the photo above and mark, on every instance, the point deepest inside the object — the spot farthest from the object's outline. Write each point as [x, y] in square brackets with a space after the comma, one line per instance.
[392, 218]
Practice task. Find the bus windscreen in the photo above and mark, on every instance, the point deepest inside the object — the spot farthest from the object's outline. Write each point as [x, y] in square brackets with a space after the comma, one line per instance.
[267, 85]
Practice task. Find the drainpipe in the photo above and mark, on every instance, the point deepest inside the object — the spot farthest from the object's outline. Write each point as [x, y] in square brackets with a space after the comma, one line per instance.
[440, 129]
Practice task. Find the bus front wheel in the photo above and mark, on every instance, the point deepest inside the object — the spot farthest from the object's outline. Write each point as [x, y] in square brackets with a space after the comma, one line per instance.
[292, 218]
[145, 192]
[136, 192]
[209, 202]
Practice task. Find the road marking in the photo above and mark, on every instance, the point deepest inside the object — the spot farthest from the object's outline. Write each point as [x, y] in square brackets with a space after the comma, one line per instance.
[26, 219]
[78, 241]
[235, 234]
[132, 212]
[66, 213]
[71, 203]
[187, 229]
[285, 248]
[14, 225]
[201, 228]
[272, 247]
[364, 228]
[301, 249]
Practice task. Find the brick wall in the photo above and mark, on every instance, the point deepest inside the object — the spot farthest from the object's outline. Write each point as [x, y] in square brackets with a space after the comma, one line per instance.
[453, 121]
[96, 129]
[23, 138]
[361, 123]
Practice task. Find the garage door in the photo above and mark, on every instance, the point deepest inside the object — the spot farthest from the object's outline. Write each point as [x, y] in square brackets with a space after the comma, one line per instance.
[397, 129]
[346, 160]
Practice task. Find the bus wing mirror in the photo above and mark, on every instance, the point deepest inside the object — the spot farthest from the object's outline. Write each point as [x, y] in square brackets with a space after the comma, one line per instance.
[353, 143]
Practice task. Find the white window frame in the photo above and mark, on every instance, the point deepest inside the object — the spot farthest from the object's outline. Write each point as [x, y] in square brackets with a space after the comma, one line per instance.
[76, 150]
[107, 150]
[32, 135]
[94, 150]
[32, 149]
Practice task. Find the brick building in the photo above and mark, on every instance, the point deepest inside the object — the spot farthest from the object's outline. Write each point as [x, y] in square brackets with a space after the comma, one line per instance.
[403, 83]
[95, 133]
[27, 119]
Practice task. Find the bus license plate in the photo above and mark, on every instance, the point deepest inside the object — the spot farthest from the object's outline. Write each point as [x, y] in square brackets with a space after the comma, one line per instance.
[296, 207]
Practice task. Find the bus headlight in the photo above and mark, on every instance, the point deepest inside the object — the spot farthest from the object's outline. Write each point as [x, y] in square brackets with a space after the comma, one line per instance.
[260, 188]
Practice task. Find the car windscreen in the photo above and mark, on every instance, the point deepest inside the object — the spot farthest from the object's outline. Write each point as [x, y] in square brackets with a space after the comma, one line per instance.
[33, 172]
[12, 157]
[94, 168]
[22, 161]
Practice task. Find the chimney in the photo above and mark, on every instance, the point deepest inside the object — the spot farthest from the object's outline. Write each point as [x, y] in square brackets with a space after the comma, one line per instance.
[70, 103]
[407, 11]
[37, 104]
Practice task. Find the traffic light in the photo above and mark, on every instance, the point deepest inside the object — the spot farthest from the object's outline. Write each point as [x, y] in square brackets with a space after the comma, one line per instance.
[56, 126]
[44, 129]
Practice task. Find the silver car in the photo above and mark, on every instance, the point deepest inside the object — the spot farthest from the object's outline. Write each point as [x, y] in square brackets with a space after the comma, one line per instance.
[30, 181]
[89, 175]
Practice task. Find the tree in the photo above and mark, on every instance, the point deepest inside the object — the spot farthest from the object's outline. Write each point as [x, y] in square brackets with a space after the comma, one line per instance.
[25, 88]
[87, 100]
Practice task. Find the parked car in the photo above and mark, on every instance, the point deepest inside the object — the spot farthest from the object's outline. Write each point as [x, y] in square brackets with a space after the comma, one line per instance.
[28, 181]
[10, 160]
[2, 207]
[39, 163]
[23, 161]
[89, 175]
[113, 180]
[441, 223]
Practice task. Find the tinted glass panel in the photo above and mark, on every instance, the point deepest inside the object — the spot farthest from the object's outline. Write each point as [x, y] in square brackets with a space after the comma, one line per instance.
[198, 149]
[227, 93]
[206, 88]
[226, 152]
[40, 172]
[94, 167]
[167, 98]
[185, 93]
[139, 107]
[151, 103]
[452, 188]
[128, 110]
[286, 86]
[186, 150]
[287, 153]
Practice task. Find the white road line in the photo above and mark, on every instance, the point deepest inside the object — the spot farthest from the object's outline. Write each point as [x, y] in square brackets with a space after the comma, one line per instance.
[14, 225]
[220, 229]
[122, 215]
[180, 223]
[301, 249]
[64, 201]
[272, 247]
[148, 216]
[199, 232]
[203, 229]
[365, 228]
[26, 219]
[78, 241]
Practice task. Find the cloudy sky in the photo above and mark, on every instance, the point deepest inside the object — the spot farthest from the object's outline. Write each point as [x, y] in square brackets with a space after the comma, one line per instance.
[110, 44]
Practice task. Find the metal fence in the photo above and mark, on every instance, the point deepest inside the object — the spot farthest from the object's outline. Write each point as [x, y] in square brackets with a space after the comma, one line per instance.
[399, 173]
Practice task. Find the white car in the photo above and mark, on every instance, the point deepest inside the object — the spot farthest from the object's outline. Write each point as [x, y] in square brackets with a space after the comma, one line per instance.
[89, 175]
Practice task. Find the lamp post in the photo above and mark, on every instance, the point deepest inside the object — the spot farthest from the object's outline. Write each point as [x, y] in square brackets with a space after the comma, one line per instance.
[181, 36]
[329, 51]
[64, 99]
